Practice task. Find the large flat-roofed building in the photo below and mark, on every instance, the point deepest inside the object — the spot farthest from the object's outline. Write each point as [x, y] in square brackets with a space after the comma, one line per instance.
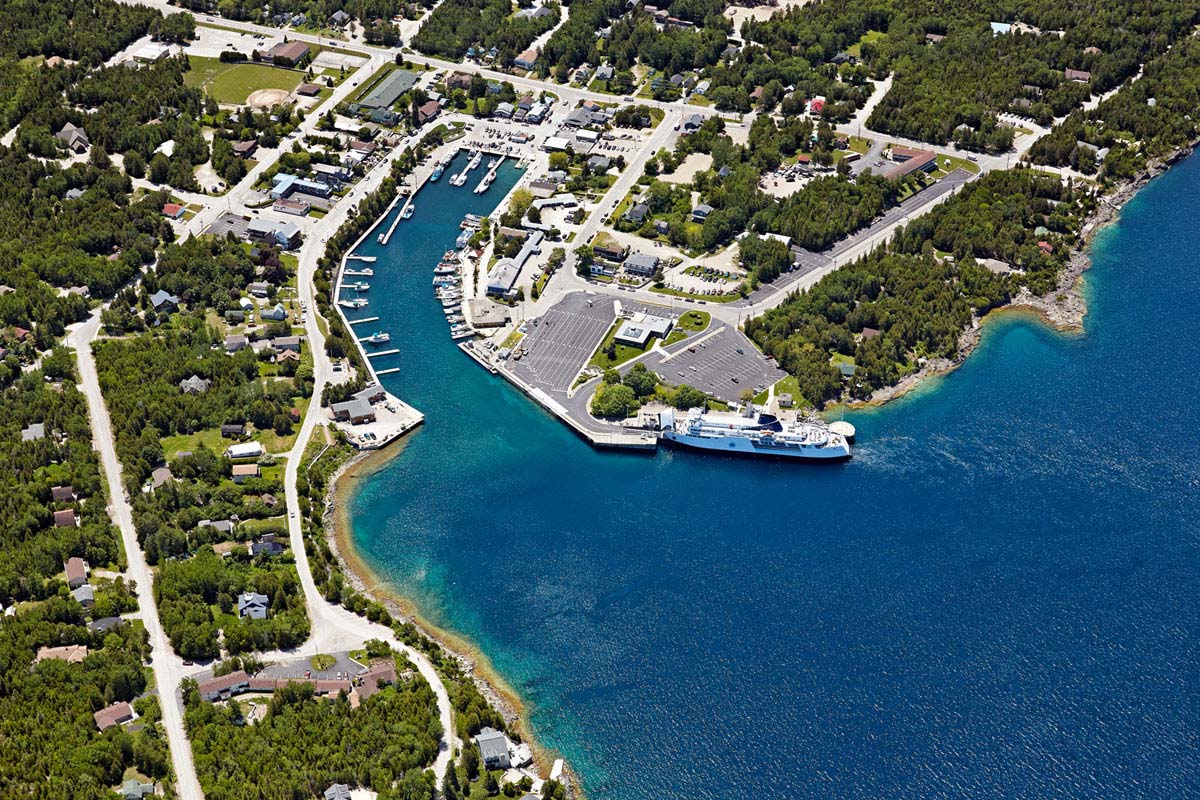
[503, 276]
[289, 53]
[637, 330]
[388, 90]
[641, 264]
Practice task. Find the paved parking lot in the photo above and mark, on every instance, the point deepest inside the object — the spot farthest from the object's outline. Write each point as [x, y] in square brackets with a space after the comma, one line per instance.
[557, 344]
[227, 223]
[716, 366]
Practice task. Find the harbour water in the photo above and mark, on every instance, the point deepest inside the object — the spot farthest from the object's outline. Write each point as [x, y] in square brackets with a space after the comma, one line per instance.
[999, 596]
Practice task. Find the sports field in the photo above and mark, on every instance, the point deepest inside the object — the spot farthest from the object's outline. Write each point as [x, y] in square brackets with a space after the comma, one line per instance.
[233, 83]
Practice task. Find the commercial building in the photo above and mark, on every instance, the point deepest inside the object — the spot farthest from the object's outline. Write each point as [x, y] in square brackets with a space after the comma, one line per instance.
[502, 277]
[637, 330]
[641, 264]
[388, 90]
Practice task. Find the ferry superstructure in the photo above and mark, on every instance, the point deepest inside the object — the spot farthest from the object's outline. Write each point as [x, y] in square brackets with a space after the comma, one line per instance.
[753, 434]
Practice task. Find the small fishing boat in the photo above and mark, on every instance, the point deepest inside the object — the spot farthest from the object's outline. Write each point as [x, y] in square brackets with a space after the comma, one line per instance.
[379, 337]
[361, 286]
[408, 211]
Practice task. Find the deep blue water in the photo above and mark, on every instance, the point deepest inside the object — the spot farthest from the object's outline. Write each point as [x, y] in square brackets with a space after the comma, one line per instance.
[998, 597]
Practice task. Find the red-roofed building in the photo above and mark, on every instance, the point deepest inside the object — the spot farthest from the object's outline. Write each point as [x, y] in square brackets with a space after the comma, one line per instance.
[172, 210]
[1046, 247]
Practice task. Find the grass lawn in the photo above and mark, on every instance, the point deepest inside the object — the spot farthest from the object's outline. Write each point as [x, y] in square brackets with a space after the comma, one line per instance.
[870, 36]
[622, 353]
[788, 385]
[210, 438]
[512, 339]
[859, 144]
[233, 83]
[676, 335]
[947, 164]
[694, 321]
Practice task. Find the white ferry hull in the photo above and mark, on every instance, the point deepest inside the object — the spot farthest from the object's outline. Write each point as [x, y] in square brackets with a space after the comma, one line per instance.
[740, 446]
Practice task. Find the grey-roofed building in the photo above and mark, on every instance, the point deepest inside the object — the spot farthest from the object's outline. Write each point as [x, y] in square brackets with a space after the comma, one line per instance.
[641, 264]
[135, 790]
[339, 18]
[85, 595]
[338, 791]
[701, 212]
[235, 342]
[493, 748]
[74, 138]
[74, 194]
[194, 385]
[389, 90]
[164, 299]
[252, 605]
[105, 624]
[32, 433]
[278, 313]
[604, 72]
[599, 163]
[503, 276]
[691, 122]
[637, 212]
[266, 546]
[221, 525]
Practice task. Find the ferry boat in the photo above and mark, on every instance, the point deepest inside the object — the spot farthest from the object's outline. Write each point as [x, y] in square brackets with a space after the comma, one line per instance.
[358, 302]
[379, 337]
[408, 211]
[753, 434]
[361, 286]
[437, 172]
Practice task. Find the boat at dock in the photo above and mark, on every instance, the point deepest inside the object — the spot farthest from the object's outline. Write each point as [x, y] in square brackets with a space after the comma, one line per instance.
[752, 433]
[445, 269]
[360, 286]
[463, 239]
[379, 337]
[437, 172]
[358, 302]
[366, 273]
[408, 211]
[471, 222]
[476, 159]
[460, 179]
[484, 184]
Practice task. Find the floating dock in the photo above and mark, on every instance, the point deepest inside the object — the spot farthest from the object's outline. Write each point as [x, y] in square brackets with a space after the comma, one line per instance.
[387, 371]
[384, 353]
[367, 259]
[361, 321]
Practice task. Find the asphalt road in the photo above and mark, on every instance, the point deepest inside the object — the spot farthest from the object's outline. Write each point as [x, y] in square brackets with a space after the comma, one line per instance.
[168, 667]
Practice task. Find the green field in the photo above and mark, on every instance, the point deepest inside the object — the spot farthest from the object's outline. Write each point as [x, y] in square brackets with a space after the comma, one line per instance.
[233, 83]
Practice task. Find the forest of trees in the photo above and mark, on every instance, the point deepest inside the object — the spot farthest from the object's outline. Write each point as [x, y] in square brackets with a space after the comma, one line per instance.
[303, 744]
[197, 601]
[33, 549]
[919, 303]
[1146, 119]
[456, 25]
[51, 747]
[140, 379]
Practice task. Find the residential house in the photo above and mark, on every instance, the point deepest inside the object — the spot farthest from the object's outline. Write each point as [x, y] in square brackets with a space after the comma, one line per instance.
[691, 123]
[599, 163]
[74, 138]
[243, 450]
[85, 595]
[232, 430]
[606, 248]
[276, 314]
[493, 748]
[66, 518]
[163, 300]
[116, 714]
[526, 60]
[701, 212]
[637, 212]
[194, 385]
[253, 605]
[1077, 75]
[339, 19]
[224, 687]
[604, 72]
[62, 494]
[70, 653]
[258, 289]
[105, 624]
[281, 343]
[133, 789]
[266, 545]
[235, 342]
[427, 111]
[242, 472]
[159, 476]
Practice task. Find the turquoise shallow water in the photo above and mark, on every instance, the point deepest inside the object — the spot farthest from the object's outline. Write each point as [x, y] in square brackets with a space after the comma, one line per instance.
[996, 598]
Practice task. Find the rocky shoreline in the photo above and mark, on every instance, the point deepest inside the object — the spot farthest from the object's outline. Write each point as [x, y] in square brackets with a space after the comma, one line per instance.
[473, 662]
[1063, 308]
